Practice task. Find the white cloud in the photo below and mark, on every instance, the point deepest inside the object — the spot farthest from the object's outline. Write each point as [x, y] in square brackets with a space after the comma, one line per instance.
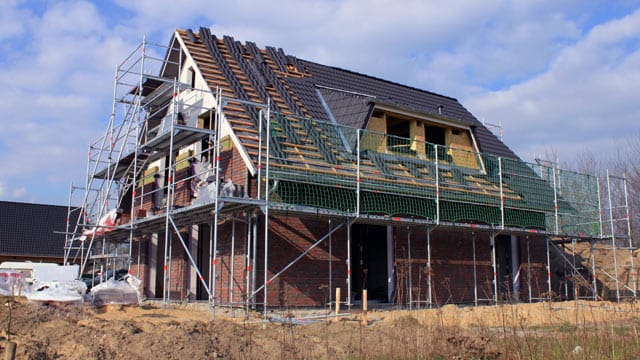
[12, 194]
[54, 95]
[587, 97]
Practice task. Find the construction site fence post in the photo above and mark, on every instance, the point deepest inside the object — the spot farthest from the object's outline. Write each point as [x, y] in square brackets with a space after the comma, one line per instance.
[337, 300]
[364, 307]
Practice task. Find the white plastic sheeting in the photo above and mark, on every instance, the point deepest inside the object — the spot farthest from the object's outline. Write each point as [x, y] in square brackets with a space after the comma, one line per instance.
[123, 292]
[72, 291]
[12, 283]
[58, 284]
[50, 283]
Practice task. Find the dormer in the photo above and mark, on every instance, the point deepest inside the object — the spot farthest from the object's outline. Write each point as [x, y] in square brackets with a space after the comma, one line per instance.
[400, 132]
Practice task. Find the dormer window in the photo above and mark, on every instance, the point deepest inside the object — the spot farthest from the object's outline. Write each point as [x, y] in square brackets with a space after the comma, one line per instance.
[409, 135]
[435, 135]
[401, 131]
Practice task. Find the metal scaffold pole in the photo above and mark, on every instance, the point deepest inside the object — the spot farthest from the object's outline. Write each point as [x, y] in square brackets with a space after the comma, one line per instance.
[529, 270]
[555, 201]
[330, 267]
[68, 237]
[437, 180]
[429, 270]
[247, 262]
[409, 268]
[501, 198]
[166, 296]
[135, 161]
[492, 241]
[348, 266]
[475, 272]
[546, 239]
[254, 266]
[613, 237]
[358, 134]
[233, 263]
[632, 269]
[216, 202]
[211, 259]
[266, 211]
[593, 270]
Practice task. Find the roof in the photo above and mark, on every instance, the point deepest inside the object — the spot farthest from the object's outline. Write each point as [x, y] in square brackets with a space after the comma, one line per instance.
[32, 229]
[322, 154]
[305, 88]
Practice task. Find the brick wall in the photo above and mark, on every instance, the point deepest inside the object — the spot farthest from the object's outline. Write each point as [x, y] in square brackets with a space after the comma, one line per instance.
[151, 257]
[452, 267]
[231, 259]
[306, 283]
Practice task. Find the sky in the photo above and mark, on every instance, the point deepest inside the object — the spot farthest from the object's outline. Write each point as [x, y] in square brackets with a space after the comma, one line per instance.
[558, 76]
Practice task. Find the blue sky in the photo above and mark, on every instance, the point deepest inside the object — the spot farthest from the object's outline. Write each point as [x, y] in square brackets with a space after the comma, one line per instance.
[560, 76]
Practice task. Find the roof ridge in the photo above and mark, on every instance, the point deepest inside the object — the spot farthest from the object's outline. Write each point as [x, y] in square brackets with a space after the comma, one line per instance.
[31, 203]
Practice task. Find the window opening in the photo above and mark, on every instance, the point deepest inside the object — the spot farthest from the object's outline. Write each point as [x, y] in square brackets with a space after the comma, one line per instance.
[435, 135]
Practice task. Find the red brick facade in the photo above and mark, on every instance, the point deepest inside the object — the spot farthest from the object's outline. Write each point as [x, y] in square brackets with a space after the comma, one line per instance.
[309, 282]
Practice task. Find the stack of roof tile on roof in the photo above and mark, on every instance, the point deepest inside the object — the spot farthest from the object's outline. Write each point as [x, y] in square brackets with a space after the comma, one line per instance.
[304, 88]
[32, 229]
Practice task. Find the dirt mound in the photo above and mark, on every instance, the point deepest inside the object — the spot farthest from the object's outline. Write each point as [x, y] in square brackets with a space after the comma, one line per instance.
[187, 332]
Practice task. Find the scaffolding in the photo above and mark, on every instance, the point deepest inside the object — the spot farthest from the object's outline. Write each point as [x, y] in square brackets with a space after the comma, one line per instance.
[159, 169]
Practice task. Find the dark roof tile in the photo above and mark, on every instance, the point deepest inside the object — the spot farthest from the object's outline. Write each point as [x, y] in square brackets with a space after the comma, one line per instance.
[32, 229]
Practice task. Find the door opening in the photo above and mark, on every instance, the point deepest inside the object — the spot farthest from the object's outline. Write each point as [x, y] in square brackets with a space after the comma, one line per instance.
[503, 264]
[369, 261]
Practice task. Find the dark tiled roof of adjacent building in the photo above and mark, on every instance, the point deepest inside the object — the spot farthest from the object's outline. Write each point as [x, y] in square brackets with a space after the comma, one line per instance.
[32, 229]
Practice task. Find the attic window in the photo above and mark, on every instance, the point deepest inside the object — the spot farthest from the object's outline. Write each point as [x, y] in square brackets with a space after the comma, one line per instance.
[398, 127]
[191, 77]
[435, 135]
[401, 131]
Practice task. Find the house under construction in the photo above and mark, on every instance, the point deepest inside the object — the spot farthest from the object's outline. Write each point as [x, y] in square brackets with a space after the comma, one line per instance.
[249, 177]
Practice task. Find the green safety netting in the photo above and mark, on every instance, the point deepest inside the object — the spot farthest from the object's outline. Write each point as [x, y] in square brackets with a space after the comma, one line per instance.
[322, 165]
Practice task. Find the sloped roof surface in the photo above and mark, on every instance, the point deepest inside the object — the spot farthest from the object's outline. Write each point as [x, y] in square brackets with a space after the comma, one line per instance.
[299, 87]
[28, 229]
[391, 93]
[348, 109]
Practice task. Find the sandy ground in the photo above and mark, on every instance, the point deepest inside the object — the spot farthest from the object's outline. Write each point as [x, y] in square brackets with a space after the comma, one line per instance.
[57, 331]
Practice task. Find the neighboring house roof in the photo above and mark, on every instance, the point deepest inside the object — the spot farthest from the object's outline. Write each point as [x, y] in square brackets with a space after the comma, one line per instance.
[32, 229]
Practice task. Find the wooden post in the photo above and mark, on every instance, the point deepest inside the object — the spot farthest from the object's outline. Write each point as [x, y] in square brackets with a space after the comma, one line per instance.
[337, 301]
[364, 307]
[9, 350]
